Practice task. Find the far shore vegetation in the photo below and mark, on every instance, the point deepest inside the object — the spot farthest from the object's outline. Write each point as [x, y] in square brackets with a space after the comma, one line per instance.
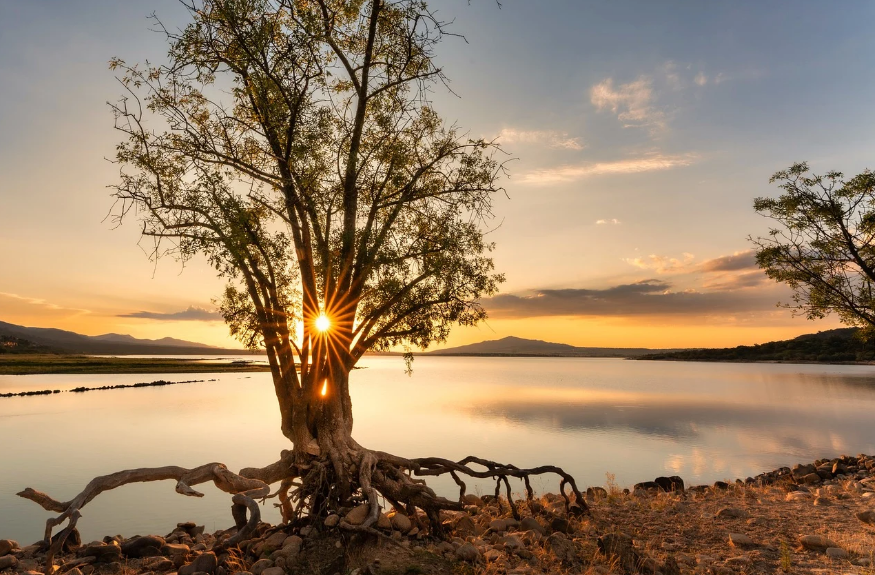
[32, 364]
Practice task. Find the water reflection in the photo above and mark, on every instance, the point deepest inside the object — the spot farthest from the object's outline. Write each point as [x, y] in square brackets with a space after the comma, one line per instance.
[634, 419]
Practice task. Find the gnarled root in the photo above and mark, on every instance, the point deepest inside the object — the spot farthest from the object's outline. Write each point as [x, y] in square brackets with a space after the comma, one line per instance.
[244, 490]
[311, 487]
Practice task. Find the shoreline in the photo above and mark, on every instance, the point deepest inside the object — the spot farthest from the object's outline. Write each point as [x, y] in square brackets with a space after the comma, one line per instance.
[46, 364]
[816, 517]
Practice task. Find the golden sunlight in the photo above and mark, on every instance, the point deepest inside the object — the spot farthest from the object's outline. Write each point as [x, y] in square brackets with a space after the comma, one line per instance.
[325, 388]
[323, 323]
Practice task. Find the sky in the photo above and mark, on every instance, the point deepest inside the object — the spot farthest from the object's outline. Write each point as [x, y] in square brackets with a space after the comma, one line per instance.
[640, 132]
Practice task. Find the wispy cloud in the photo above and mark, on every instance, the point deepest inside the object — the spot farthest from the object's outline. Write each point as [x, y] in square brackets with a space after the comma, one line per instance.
[41, 303]
[737, 261]
[549, 138]
[632, 102]
[650, 297]
[663, 264]
[612, 221]
[191, 314]
[701, 79]
[569, 173]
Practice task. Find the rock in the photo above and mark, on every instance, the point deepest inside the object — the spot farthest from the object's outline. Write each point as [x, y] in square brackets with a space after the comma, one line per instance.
[500, 525]
[358, 515]
[332, 520]
[596, 493]
[799, 471]
[493, 555]
[822, 502]
[104, 553]
[618, 547]
[8, 562]
[867, 517]
[811, 479]
[561, 547]
[259, 566]
[72, 543]
[532, 524]
[670, 484]
[465, 526]
[307, 530]
[471, 499]
[7, 545]
[560, 525]
[401, 522]
[74, 571]
[146, 546]
[384, 522]
[275, 541]
[158, 563]
[721, 485]
[732, 513]
[740, 540]
[467, 552]
[511, 542]
[274, 571]
[836, 553]
[205, 562]
[293, 542]
[176, 552]
[817, 542]
[645, 485]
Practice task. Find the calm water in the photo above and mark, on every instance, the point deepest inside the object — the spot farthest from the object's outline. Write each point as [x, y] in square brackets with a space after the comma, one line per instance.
[634, 419]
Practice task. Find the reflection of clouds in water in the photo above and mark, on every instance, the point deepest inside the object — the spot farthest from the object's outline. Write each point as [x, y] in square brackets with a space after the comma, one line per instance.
[781, 433]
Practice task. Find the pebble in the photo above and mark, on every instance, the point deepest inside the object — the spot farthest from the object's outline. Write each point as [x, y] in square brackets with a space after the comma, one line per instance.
[867, 516]
[732, 512]
[8, 562]
[817, 542]
[332, 520]
[836, 553]
[358, 515]
[468, 552]
[740, 540]
[7, 545]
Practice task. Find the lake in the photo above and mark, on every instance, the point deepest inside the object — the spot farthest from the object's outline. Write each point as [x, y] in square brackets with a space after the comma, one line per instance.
[633, 419]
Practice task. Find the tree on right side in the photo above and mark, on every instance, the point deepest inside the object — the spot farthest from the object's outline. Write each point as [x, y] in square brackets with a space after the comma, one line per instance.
[823, 243]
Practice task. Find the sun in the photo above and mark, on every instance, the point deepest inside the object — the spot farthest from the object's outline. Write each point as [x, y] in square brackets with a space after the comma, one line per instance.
[323, 323]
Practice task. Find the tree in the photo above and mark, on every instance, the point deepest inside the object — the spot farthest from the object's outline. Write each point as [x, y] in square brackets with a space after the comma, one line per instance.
[293, 143]
[823, 248]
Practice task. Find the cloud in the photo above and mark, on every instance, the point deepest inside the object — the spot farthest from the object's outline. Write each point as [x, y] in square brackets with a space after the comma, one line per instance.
[737, 281]
[612, 221]
[700, 79]
[651, 297]
[190, 314]
[631, 102]
[41, 303]
[662, 264]
[549, 138]
[737, 261]
[570, 173]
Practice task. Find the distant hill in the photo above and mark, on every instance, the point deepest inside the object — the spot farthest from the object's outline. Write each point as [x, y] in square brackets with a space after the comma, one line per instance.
[831, 346]
[517, 346]
[50, 340]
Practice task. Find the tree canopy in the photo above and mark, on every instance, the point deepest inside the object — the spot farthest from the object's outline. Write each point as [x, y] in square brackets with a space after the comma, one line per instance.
[293, 142]
[823, 246]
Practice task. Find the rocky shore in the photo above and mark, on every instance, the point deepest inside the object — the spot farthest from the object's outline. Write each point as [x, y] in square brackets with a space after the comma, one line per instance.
[813, 518]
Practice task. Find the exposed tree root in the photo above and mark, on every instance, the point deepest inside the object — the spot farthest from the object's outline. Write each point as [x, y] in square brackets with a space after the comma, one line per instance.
[317, 487]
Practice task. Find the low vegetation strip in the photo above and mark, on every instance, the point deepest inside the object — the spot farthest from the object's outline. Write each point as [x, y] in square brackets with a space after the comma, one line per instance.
[845, 345]
[158, 383]
[15, 364]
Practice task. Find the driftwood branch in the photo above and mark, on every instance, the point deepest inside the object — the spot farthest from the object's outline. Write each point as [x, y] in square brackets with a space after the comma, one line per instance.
[243, 489]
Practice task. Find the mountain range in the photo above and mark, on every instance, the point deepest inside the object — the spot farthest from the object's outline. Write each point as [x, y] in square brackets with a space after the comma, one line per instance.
[517, 346]
[61, 341]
